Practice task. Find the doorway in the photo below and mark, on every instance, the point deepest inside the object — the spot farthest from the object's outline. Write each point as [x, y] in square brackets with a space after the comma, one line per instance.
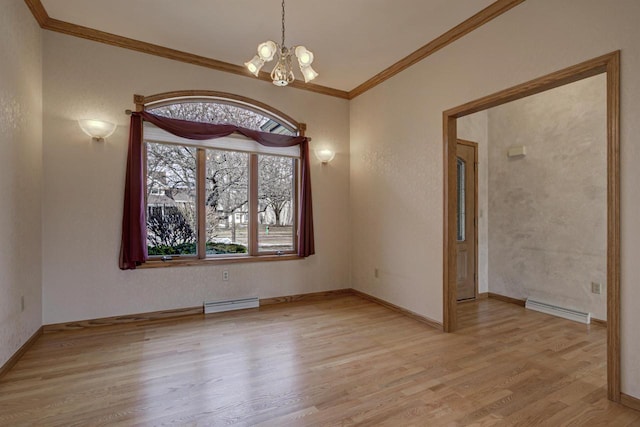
[466, 220]
[609, 64]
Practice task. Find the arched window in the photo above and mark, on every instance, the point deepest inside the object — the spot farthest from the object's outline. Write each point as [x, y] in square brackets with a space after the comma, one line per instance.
[224, 197]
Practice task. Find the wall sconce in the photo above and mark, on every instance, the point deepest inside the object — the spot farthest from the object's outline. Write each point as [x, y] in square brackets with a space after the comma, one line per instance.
[98, 130]
[325, 155]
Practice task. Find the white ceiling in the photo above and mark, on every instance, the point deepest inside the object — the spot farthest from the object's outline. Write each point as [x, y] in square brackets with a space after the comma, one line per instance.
[352, 40]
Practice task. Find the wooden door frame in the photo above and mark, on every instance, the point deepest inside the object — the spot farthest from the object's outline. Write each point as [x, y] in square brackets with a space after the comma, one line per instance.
[609, 64]
[474, 145]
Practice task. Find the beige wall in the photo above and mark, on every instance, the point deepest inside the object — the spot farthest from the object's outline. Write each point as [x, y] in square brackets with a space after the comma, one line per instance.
[548, 218]
[20, 176]
[396, 146]
[84, 183]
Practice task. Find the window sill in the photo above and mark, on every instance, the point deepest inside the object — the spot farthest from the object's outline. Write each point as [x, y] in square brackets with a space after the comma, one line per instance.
[213, 261]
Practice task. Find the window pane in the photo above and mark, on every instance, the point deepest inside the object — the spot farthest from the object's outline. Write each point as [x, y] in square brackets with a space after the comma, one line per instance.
[221, 113]
[171, 199]
[276, 212]
[461, 214]
[227, 202]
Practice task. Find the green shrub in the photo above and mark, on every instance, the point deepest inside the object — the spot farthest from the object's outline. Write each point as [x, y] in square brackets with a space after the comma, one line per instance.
[225, 248]
[190, 249]
[179, 249]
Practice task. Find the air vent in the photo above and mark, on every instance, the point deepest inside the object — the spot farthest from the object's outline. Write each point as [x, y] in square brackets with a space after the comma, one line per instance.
[228, 305]
[554, 310]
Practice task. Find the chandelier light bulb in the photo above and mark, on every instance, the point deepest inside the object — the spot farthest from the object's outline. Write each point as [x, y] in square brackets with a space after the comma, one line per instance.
[305, 57]
[267, 50]
[308, 73]
[254, 65]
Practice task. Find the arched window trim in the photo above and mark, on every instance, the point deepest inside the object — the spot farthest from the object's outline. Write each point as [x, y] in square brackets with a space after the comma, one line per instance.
[174, 97]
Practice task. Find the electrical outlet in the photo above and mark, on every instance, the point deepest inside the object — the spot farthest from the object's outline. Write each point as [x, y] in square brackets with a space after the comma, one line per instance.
[376, 273]
[225, 275]
[22, 303]
[596, 288]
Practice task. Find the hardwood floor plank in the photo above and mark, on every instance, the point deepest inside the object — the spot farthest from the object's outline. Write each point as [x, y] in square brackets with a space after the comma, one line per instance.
[340, 361]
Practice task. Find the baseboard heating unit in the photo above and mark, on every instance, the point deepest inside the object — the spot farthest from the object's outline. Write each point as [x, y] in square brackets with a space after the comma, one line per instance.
[232, 304]
[554, 310]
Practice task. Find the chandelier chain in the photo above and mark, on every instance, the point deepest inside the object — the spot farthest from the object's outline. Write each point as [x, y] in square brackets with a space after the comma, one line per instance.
[282, 24]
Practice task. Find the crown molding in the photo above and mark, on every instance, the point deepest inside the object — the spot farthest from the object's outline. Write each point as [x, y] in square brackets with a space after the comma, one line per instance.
[51, 24]
[38, 11]
[487, 14]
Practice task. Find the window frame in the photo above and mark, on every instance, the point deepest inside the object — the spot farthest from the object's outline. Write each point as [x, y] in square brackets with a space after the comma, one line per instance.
[253, 253]
[253, 196]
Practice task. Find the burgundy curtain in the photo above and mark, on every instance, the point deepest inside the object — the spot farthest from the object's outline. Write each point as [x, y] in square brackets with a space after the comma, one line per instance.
[306, 244]
[133, 251]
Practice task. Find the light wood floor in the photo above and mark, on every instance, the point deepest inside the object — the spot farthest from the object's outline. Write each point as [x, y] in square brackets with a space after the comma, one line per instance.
[343, 361]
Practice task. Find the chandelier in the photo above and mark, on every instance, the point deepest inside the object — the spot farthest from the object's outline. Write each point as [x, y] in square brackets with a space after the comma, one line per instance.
[282, 73]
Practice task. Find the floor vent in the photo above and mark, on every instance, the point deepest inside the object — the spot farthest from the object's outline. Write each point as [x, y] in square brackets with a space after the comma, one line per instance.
[554, 310]
[228, 305]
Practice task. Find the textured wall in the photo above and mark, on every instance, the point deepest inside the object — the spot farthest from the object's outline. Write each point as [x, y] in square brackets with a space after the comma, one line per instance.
[475, 128]
[84, 184]
[20, 175]
[548, 210]
[396, 146]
